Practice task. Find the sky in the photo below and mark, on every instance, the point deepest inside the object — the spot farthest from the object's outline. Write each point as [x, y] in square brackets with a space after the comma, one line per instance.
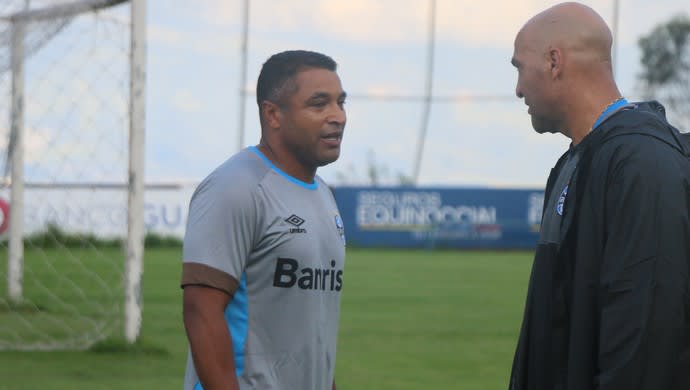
[194, 85]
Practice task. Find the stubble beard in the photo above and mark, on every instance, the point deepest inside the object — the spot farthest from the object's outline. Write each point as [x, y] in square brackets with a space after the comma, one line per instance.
[544, 125]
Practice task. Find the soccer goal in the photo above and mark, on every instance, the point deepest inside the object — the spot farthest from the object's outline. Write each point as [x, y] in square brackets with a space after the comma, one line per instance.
[72, 78]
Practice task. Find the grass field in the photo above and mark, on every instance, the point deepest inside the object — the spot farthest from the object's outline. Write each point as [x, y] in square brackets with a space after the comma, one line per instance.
[409, 320]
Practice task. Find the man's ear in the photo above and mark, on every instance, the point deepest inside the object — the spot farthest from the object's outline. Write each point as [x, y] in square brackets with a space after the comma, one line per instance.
[271, 113]
[555, 62]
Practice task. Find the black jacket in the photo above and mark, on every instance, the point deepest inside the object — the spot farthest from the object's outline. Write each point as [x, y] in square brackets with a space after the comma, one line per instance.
[609, 308]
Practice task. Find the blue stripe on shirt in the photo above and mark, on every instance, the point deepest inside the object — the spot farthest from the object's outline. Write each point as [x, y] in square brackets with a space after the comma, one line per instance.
[237, 318]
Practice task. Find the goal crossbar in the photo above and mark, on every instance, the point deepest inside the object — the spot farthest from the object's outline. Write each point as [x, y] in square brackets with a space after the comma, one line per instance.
[63, 10]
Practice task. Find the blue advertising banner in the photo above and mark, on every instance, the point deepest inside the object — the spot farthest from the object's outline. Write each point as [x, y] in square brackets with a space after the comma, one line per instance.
[440, 217]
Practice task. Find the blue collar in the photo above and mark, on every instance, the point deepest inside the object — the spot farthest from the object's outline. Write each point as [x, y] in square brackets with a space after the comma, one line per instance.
[310, 186]
[612, 108]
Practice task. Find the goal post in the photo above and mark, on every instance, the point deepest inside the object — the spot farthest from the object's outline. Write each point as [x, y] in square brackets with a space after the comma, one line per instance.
[72, 74]
[134, 266]
[15, 155]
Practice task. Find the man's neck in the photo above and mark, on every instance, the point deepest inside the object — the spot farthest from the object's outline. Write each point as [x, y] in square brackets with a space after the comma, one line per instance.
[586, 111]
[286, 162]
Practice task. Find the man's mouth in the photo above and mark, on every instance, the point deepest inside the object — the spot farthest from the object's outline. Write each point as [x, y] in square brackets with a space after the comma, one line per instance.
[334, 138]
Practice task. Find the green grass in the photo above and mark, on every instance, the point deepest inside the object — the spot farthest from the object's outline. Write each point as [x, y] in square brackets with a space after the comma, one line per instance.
[409, 320]
[71, 295]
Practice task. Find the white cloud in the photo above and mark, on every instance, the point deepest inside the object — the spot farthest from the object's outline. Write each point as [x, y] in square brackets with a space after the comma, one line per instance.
[380, 47]
[383, 90]
[481, 23]
[214, 42]
[186, 101]
[37, 142]
[163, 35]
[398, 21]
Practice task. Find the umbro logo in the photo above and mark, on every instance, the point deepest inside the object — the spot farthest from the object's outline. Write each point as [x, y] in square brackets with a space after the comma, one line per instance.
[295, 221]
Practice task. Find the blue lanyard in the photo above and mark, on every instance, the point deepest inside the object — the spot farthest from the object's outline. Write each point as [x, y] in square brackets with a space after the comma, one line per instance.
[610, 110]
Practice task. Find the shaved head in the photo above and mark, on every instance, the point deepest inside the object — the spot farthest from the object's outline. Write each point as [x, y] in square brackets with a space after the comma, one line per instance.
[572, 27]
[565, 75]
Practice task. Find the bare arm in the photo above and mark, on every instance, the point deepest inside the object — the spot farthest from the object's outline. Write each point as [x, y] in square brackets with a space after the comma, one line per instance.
[209, 338]
[334, 384]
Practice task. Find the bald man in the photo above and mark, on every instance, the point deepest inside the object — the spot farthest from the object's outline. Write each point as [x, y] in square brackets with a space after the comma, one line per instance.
[608, 303]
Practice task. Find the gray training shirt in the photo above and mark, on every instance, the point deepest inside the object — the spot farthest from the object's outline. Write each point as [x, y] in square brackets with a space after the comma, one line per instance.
[277, 245]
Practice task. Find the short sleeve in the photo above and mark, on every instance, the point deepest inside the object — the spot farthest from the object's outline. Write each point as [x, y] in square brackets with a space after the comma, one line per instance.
[219, 233]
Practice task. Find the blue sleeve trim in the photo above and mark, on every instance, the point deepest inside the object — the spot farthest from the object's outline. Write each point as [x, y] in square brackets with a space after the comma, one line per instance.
[237, 318]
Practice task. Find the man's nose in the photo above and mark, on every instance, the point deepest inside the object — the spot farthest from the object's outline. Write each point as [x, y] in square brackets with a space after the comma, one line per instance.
[337, 114]
[518, 91]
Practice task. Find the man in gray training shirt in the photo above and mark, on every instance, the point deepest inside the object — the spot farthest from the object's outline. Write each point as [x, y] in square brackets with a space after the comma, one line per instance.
[264, 247]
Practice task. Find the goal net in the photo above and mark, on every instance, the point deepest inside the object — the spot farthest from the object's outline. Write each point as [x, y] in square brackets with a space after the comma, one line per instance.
[64, 145]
